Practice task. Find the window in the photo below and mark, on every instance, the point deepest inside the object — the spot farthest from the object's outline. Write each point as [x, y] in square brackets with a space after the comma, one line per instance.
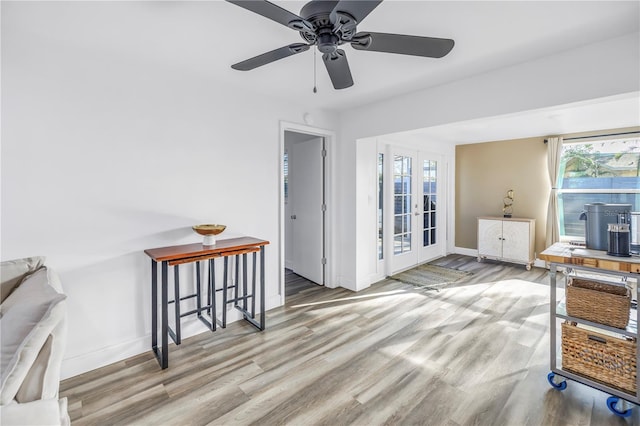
[597, 172]
[285, 162]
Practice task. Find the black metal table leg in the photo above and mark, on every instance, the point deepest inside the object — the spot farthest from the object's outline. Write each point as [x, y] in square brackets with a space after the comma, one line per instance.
[176, 296]
[253, 286]
[262, 295]
[224, 292]
[154, 307]
[236, 283]
[165, 316]
[198, 292]
[244, 281]
[212, 294]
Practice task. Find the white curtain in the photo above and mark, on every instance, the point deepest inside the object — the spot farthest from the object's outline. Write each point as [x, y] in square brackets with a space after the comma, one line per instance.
[554, 153]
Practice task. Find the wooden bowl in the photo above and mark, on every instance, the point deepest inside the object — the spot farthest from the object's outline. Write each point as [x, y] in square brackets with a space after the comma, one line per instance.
[209, 229]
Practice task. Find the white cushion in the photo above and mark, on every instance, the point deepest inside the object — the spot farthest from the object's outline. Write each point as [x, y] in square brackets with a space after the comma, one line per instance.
[31, 313]
[42, 412]
[13, 271]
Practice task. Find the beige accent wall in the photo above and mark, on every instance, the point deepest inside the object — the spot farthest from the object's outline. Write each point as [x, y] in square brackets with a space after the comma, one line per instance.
[484, 174]
[486, 171]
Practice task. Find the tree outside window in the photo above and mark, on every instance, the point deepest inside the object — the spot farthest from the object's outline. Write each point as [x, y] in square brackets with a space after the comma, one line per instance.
[597, 172]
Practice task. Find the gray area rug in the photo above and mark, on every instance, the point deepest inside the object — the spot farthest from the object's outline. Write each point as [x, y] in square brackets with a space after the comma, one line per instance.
[431, 277]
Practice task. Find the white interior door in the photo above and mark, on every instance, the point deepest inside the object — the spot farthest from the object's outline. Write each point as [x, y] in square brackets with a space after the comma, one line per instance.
[415, 227]
[306, 195]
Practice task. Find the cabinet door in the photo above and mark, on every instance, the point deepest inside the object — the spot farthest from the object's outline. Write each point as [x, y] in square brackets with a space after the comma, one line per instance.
[515, 241]
[490, 237]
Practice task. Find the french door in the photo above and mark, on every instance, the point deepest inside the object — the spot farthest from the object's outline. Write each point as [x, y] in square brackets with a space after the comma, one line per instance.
[415, 226]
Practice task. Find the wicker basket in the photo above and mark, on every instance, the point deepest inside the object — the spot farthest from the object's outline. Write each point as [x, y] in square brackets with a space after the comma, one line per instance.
[598, 301]
[606, 359]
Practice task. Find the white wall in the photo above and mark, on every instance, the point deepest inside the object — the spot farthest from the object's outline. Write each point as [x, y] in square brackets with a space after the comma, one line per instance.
[594, 71]
[106, 154]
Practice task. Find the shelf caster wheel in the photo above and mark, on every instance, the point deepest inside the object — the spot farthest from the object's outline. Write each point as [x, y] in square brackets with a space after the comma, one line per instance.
[613, 402]
[559, 386]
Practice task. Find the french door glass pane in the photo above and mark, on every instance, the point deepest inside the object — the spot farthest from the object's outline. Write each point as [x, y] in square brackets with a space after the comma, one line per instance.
[397, 244]
[397, 184]
[429, 189]
[402, 169]
[406, 243]
[397, 226]
[397, 204]
[397, 165]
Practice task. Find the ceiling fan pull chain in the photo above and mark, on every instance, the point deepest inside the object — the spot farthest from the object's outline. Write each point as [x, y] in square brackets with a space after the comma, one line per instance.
[315, 90]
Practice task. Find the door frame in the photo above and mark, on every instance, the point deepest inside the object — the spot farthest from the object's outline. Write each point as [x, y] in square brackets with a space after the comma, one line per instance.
[329, 229]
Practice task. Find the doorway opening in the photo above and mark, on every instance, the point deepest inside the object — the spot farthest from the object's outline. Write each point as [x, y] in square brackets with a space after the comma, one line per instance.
[305, 215]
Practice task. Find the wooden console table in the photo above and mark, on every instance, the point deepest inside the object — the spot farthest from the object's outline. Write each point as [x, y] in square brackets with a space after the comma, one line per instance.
[188, 253]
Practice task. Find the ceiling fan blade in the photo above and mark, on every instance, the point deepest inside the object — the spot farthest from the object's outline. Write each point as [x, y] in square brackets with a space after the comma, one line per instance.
[338, 69]
[275, 13]
[359, 9]
[402, 44]
[267, 58]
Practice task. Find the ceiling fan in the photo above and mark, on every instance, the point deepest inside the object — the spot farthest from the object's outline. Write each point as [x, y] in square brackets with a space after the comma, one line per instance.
[329, 24]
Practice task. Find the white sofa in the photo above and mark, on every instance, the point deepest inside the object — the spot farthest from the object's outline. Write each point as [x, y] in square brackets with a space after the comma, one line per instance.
[33, 316]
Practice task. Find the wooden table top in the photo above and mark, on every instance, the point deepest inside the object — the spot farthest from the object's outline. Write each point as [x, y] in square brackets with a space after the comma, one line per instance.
[575, 255]
[197, 250]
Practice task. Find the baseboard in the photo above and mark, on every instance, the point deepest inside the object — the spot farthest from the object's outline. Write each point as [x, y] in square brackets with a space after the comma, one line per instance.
[474, 253]
[540, 263]
[346, 283]
[368, 281]
[83, 363]
[466, 251]
[79, 364]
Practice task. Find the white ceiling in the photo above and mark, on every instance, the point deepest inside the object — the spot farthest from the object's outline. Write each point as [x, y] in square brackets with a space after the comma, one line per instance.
[206, 37]
[610, 113]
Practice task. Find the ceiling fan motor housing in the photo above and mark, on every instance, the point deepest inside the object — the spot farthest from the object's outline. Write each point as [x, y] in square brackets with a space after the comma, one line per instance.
[327, 42]
[330, 28]
[318, 11]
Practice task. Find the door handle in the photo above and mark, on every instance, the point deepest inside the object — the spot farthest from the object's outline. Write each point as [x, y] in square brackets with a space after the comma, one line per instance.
[293, 216]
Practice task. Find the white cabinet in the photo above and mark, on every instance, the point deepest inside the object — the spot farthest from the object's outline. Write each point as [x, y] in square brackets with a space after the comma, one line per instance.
[507, 239]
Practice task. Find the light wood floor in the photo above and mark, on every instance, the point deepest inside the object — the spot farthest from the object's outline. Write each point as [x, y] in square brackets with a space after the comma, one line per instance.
[474, 354]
